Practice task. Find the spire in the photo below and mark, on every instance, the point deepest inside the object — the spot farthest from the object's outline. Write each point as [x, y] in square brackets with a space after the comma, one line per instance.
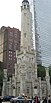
[26, 25]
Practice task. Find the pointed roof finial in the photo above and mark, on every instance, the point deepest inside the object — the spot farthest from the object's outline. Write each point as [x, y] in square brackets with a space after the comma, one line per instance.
[25, 1]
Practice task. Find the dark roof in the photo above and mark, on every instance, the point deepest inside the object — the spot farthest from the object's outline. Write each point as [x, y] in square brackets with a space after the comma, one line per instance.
[25, 1]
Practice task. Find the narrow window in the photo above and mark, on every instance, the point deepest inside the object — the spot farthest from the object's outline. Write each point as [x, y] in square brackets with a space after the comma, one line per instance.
[28, 90]
[25, 35]
[24, 6]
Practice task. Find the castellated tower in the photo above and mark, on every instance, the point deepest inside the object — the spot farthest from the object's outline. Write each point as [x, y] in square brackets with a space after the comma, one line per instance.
[23, 81]
[26, 25]
[26, 69]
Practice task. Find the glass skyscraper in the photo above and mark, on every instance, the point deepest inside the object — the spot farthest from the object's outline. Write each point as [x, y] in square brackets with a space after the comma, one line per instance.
[43, 17]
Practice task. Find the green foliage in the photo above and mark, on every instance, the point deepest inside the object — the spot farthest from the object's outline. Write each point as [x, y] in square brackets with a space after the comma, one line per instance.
[41, 71]
[1, 73]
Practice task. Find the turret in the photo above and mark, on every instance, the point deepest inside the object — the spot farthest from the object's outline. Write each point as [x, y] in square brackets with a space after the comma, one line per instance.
[26, 27]
[25, 5]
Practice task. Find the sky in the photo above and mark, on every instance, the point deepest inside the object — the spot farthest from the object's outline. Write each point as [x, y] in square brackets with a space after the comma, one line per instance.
[10, 13]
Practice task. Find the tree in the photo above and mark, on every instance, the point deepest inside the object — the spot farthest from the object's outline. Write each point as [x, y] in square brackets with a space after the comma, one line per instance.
[41, 71]
[1, 72]
[1, 76]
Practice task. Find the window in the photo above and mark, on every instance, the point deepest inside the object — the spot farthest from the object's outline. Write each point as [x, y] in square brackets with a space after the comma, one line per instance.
[14, 59]
[29, 75]
[10, 45]
[22, 56]
[9, 55]
[9, 51]
[14, 56]
[32, 58]
[15, 35]
[14, 52]
[29, 66]
[25, 35]
[27, 89]
[10, 39]
[18, 89]
[9, 58]
[9, 66]
[28, 6]
[11, 33]
[24, 6]
[24, 14]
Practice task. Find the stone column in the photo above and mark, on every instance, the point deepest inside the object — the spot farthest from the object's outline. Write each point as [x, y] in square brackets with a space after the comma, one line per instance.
[16, 74]
[34, 79]
[40, 88]
[22, 83]
[13, 84]
[33, 88]
[10, 88]
[4, 90]
[48, 81]
[35, 70]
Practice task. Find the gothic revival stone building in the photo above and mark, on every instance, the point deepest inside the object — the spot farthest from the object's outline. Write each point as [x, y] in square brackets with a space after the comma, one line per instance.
[25, 78]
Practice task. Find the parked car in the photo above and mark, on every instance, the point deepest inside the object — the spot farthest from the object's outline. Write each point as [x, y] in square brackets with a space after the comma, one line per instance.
[20, 99]
[7, 98]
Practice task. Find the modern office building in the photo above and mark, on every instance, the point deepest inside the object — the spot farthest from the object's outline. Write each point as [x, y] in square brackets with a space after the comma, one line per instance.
[36, 35]
[9, 43]
[43, 17]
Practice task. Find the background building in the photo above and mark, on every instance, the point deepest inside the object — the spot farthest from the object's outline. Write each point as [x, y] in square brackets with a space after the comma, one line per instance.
[35, 32]
[9, 43]
[37, 43]
[43, 17]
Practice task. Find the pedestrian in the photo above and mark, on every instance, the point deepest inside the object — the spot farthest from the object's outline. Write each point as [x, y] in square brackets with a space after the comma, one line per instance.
[42, 100]
[49, 99]
[0, 100]
[36, 99]
[45, 100]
